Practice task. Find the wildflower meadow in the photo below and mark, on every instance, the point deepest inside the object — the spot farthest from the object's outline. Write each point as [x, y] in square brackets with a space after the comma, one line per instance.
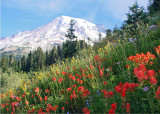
[119, 78]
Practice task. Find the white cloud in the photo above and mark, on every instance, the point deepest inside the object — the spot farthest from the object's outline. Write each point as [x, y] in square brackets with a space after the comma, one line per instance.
[41, 6]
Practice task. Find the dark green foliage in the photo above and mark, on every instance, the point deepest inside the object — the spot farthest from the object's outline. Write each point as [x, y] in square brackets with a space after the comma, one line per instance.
[29, 66]
[100, 36]
[23, 63]
[59, 51]
[108, 32]
[47, 58]
[154, 6]
[70, 35]
[3, 63]
[135, 17]
[10, 59]
[69, 49]
[53, 55]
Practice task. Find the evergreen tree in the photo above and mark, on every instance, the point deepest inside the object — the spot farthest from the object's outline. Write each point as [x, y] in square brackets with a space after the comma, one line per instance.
[70, 47]
[154, 6]
[135, 16]
[29, 62]
[59, 51]
[40, 59]
[23, 63]
[47, 58]
[10, 59]
[71, 36]
[115, 29]
[3, 63]
[19, 65]
[100, 36]
[108, 32]
[53, 55]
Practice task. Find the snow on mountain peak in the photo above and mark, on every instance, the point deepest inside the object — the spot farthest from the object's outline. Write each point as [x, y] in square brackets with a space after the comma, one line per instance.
[49, 35]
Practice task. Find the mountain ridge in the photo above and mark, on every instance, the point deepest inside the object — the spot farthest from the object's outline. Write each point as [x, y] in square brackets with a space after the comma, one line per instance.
[49, 35]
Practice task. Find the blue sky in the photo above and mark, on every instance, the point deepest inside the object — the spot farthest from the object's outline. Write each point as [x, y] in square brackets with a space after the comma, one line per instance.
[22, 15]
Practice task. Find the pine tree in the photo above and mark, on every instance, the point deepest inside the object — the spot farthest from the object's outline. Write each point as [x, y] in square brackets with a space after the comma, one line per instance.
[100, 36]
[115, 29]
[70, 47]
[19, 65]
[135, 16]
[53, 55]
[40, 59]
[47, 58]
[10, 59]
[108, 32]
[154, 6]
[71, 36]
[23, 63]
[3, 63]
[29, 65]
[59, 51]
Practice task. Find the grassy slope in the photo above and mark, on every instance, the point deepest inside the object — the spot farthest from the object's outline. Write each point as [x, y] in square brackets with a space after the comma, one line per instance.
[110, 67]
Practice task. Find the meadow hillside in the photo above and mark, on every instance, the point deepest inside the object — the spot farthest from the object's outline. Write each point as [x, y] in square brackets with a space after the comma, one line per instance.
[122, 76]
[118, 74]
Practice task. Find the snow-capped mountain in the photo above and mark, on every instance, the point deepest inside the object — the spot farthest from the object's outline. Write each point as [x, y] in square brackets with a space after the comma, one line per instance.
[51, 34]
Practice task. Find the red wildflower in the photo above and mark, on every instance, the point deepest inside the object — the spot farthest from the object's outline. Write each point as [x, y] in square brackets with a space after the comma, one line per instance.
[74, 85]
[63, 108]
[23, 96]
[123, 93]
[69, 89]
[86, 111]
[7, 109]
[37, 89]
[118, 89]
[153, 81]
[47, 110]
[150, 73]
[2, 105]
[54, 79]
[96, 57]
[111, 111]
[110, 93]
[13, 108]
[73, 95]
[128, 107]
[26, 102]
[104, 82]
[40, 99]
[158, 93]
[60, 80]
[127, 66]
[85, 93]
[114, 106]
[81, 81]
[73, 78]
[40, 110]
[80, 89]
[29, 111]
[33, 110]
[47, 91]
[45, 98]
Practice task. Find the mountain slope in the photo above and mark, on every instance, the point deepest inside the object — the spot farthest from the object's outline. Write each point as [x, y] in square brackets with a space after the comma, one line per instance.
[48, 35]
